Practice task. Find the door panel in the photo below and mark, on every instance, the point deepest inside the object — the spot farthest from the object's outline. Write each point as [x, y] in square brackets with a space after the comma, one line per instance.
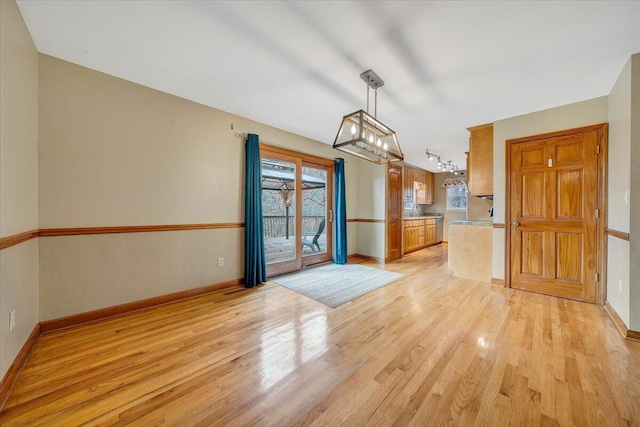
[394, 214]
[533, 195]
[317, 218]
[568, 265]
[532, 253]
[279, 208]
[569, 193]
[554, 197]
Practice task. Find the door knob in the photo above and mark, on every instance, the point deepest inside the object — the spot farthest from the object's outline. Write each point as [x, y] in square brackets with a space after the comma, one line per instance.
[515, 223]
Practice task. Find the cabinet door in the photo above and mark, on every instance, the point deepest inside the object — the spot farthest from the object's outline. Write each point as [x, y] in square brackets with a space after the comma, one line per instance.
[480, 178]
[430, 235]
[405, 239]
[407, 184]
[429, 188]
[420, 195]
[415, 238]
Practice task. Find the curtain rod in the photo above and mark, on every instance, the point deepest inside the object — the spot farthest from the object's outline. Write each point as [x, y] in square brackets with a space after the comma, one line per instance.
[244, 135]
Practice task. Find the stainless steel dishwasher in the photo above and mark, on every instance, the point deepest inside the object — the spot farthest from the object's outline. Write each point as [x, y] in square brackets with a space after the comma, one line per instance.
[439, 230]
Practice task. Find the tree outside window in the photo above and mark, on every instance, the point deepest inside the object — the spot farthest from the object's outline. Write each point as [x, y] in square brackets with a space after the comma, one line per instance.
[457, 198]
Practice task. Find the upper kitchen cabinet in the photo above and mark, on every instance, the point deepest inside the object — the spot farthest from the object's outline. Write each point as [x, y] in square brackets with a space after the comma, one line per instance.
[429, 190]
[407, 182]
[480, 160]
[418, 185]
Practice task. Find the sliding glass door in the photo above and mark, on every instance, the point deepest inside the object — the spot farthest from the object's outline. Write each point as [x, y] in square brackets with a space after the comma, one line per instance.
[297, 209]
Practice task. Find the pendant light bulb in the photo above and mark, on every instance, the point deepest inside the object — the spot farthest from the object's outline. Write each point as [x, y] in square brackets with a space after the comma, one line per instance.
[385, 146]
[378, 142]
[371, 138]
[354, 129]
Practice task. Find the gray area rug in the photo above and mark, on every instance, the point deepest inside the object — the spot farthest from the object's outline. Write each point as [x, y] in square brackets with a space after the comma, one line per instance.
[334, 284]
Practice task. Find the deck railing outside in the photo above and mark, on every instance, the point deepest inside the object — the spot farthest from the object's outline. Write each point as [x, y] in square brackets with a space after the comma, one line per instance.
[274, 225]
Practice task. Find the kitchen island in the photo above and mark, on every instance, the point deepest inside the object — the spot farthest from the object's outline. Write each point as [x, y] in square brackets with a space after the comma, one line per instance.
[470, 249]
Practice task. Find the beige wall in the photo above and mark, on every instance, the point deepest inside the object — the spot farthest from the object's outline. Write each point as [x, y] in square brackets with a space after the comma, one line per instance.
[18, 181]
[590, 112]
[619, 183]
[634, 229]
[440, 205]
[370, 202]
[116, 153]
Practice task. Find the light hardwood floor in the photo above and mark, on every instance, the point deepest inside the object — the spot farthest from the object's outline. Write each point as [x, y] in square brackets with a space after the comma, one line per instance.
[429, 349]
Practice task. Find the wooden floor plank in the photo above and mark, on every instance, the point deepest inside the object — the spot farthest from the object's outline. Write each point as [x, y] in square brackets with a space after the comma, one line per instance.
[428, 349]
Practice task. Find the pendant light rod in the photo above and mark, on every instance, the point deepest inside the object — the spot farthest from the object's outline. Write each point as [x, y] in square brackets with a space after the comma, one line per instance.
[373, 81]
[367, 99]
[375, 111]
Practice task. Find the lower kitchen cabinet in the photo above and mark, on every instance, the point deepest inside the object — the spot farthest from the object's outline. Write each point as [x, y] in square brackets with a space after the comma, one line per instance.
[430, 233]
[418, 234]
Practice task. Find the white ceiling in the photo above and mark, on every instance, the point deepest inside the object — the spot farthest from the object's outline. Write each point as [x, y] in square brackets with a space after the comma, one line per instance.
[296, 65]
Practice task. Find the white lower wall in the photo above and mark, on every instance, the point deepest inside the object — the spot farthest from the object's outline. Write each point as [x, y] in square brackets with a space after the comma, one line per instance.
[618, 291]
[19, 292]
[83, 273]
[371, 239]
[352, 238]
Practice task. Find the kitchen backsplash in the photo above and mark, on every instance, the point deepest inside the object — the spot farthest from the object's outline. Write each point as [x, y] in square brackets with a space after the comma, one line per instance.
[478, 209]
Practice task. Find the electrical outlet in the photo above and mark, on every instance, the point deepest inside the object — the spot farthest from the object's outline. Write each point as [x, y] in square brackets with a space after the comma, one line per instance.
[620, 285]
[12, 320]
[220, 262]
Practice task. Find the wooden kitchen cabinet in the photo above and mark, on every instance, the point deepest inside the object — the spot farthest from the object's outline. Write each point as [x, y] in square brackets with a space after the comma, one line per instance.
[480, 160]
[419, 234]
[429, 187]
[424, 193]
[420, 194]
[407, 182]
[430, 232]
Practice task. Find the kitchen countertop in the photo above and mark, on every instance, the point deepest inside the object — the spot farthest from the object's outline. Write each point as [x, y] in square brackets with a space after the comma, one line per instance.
[460, 222]
[410, 218]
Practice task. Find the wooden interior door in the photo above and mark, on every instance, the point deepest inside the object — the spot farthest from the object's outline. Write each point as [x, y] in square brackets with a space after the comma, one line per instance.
[394, 213]
[554, 201]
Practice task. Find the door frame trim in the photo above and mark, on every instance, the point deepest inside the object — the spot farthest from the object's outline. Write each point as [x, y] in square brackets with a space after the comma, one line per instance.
[601, 235]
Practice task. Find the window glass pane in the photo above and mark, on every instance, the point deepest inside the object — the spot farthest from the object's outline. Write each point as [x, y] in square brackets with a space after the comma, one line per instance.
[457, 198]
[314, 210]
[279, 210]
